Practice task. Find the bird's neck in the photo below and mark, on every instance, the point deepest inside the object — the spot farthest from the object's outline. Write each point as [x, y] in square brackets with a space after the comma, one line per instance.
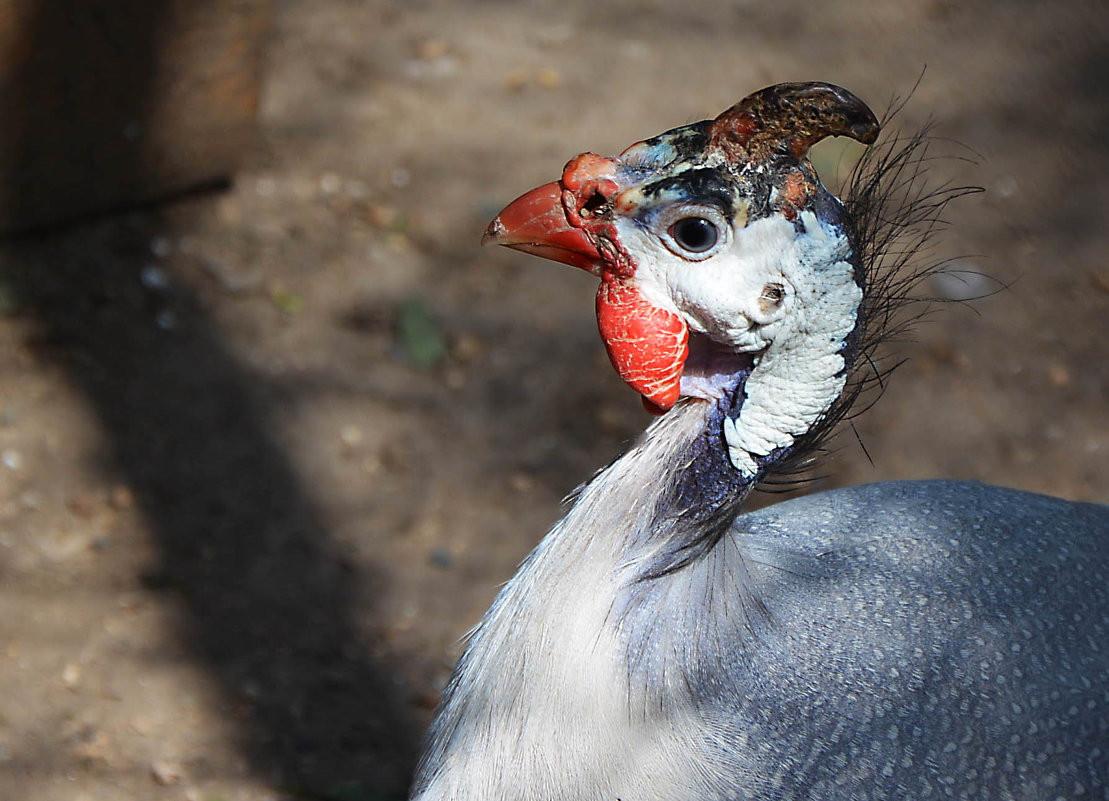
[686, 476]
[550, 655]
[656, 508]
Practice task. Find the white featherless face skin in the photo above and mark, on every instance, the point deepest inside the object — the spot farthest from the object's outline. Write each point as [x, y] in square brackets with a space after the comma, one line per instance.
[782, 290]
[725, 264]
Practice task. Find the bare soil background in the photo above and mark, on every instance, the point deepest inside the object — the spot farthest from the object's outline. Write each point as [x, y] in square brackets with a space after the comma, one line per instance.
[267, 453]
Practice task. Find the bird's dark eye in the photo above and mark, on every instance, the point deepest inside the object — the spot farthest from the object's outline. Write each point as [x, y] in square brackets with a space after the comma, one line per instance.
[695, 234]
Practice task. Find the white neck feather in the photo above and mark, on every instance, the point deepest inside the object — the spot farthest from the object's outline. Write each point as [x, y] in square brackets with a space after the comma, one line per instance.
[549, 662]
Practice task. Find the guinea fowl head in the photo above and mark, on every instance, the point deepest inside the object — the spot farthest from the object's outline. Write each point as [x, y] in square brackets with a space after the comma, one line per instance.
[728, 272]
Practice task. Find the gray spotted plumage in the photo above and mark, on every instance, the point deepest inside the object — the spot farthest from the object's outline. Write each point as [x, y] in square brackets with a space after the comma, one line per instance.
[912, 640]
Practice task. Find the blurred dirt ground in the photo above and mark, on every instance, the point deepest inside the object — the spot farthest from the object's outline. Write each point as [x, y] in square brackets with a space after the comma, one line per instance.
[268, 453]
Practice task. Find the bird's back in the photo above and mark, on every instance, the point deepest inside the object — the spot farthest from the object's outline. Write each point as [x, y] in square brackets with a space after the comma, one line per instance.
[915, 639]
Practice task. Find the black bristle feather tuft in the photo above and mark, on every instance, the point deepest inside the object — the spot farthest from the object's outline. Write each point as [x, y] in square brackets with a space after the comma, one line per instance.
[893, 212]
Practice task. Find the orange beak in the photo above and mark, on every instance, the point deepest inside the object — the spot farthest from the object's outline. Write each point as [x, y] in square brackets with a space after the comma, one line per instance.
[536, 223]
[647, 345]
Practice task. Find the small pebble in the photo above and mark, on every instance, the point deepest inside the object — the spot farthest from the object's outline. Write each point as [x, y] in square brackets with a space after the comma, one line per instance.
[165, 773]
[515, 80]
[330, 183]
[265, 187]
[351, 436]
[400, 177]
[431, 49]
[466, 347]
[83, 504]
[381, 216]
[441, 558]
[161, 247]
[1059, 376]
[12, 459]
[154, 278]
[71, 675]
[397, 242]
[521, 482]
[439, 68]
[121, 497]
[549, 78]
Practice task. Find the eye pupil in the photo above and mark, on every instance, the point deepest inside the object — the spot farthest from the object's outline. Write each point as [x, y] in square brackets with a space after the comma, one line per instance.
[695, 234]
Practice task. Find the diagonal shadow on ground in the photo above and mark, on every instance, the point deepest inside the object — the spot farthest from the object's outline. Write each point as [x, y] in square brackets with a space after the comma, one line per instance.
[269, 601]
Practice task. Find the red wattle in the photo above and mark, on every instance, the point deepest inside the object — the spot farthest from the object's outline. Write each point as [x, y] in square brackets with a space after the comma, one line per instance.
[647, 345]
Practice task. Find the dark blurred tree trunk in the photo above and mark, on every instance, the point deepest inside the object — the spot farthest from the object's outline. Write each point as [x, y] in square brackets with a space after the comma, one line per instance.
[108, 103]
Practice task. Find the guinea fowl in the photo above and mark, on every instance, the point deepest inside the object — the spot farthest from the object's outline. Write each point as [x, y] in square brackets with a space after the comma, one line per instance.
[893, 641]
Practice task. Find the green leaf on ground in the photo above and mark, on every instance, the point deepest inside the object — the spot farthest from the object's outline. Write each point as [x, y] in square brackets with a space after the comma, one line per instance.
[418, 336]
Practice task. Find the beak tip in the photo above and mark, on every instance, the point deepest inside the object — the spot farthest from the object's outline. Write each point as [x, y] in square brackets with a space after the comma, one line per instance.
[536, 223]
[494, 232]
